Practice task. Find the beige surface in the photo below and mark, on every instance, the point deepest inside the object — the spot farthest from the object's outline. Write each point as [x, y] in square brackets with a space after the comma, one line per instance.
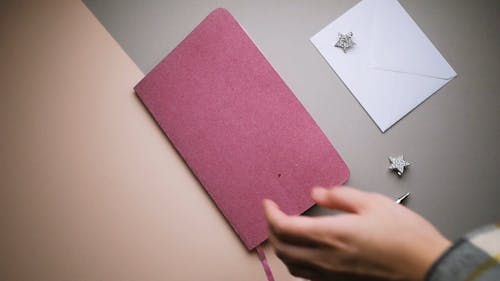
[90, 188]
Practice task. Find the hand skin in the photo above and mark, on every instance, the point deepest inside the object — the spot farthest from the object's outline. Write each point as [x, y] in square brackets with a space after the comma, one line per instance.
[375, 239]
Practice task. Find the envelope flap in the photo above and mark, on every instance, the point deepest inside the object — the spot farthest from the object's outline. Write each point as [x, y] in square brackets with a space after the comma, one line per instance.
[399, 45]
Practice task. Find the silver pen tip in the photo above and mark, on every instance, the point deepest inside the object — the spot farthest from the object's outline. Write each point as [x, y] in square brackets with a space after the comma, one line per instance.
[402, 198]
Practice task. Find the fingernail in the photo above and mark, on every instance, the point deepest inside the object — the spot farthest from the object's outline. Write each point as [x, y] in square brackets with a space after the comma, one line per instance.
[265, 202]
[318, 192]
[268, 202]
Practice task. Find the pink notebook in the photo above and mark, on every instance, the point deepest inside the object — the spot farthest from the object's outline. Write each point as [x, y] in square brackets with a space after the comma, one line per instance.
[238, 126]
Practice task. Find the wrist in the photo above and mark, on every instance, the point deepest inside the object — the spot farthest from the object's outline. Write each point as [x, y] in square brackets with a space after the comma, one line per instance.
[432, 253]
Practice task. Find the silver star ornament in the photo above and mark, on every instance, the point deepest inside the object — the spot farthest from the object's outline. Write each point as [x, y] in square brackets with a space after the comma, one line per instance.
[398, 164]
[345, 41]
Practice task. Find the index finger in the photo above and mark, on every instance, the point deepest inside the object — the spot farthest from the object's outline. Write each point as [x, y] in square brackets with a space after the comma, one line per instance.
[298, 230]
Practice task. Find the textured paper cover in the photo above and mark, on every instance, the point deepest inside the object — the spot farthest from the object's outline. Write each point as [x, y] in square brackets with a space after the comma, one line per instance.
[238, 126]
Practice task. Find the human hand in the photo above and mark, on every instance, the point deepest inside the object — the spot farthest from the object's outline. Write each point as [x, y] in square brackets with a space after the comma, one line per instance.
[375, 239]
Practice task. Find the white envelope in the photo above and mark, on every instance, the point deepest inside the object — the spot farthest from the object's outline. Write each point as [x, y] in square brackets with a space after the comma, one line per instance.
[392, 68]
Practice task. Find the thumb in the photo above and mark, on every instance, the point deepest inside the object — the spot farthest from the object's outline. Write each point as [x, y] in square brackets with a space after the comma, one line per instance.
[345, 199]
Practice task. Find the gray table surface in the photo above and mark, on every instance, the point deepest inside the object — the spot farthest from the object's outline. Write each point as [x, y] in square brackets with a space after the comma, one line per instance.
[452, 139]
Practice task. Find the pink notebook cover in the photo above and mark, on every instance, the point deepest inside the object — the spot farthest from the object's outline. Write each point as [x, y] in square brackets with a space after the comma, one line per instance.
[238, 126]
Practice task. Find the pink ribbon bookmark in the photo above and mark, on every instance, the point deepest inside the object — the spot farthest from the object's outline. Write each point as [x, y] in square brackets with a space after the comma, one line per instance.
[265, 264]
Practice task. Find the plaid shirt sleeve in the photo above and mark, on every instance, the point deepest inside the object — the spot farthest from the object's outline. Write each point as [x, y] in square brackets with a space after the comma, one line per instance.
[475, 257]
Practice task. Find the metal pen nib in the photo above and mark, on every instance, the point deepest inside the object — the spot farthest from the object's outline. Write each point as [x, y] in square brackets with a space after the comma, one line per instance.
[402, 198]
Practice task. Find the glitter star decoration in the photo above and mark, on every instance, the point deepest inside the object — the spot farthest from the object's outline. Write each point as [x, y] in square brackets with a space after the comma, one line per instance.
[398, 164]
[345, 41]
